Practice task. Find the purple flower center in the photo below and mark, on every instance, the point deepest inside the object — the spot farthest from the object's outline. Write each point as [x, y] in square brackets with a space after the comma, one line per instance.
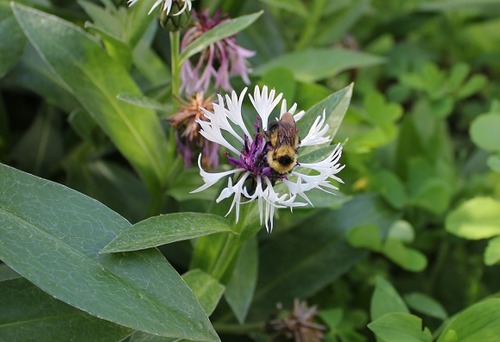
[253, 156]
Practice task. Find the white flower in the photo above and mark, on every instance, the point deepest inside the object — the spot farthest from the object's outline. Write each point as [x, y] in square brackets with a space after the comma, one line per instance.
[253, 178]
[167, 6]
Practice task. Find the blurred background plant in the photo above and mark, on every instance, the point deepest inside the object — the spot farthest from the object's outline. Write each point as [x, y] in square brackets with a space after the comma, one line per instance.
[413, 241]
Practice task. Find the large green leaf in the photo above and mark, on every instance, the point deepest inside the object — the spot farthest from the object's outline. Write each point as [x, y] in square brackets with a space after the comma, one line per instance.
[480, 322]
[163, 229]
[52, 236]
[95, 79]
[26, 311]
[316, 64]
[334, 106]
[11, 37]
[311, 256]
[221, 31]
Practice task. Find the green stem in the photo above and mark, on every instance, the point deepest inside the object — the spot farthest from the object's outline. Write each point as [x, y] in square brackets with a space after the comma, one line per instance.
[176, 65]
[311, 23]
[226, 255]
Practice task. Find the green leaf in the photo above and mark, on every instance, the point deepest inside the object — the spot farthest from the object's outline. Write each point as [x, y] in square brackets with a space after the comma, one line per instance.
[484, 131]
[12, 38]
[385, 300]
[221, 31]
[163, 229]
[401, 230]
[145, 102]
[408, 258]
[312, 65]
[399, 326]
[7, 273]
[379, 110]
[479, 322]
[241, 285]
[335, 106]
[64, 231]
[477, 218]
[492, 252]
[473, 85]
[426, 305]
[206, 289]
[95, 79]
[26, 311]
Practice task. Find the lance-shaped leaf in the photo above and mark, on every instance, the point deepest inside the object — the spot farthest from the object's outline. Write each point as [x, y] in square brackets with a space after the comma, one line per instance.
[27, 311]
[52, 236]
[12, 39]
[163, 229]
[226, 29]
[95, 80]
[479, 322]
[335, 106]
[316, 64]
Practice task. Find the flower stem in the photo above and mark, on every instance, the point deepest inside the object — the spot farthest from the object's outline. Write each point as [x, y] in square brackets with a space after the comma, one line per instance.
[226, 255]
[176, 65]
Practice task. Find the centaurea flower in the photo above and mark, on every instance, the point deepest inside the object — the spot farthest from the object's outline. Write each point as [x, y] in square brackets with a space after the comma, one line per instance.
[220, 60]
[252, 178]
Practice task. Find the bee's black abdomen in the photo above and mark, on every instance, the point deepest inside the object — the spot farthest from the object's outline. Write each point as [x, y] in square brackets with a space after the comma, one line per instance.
[285, 160]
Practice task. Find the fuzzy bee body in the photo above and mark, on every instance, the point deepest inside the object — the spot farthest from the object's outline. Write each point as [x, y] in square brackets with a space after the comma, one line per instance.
[283, 137]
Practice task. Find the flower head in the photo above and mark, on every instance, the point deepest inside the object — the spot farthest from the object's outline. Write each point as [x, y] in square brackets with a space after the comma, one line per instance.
[189, 141]
[219, 61]
[168, 5]
[253, 176]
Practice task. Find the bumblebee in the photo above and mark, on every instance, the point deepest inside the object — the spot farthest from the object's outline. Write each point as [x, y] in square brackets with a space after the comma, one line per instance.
[284, 139]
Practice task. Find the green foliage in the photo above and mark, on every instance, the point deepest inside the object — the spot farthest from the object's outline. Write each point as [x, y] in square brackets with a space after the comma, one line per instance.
[94, 237]
[27, 311]
[13, 40]
[480, 322]
[95, 79]
[64, 243]
[400, 327]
